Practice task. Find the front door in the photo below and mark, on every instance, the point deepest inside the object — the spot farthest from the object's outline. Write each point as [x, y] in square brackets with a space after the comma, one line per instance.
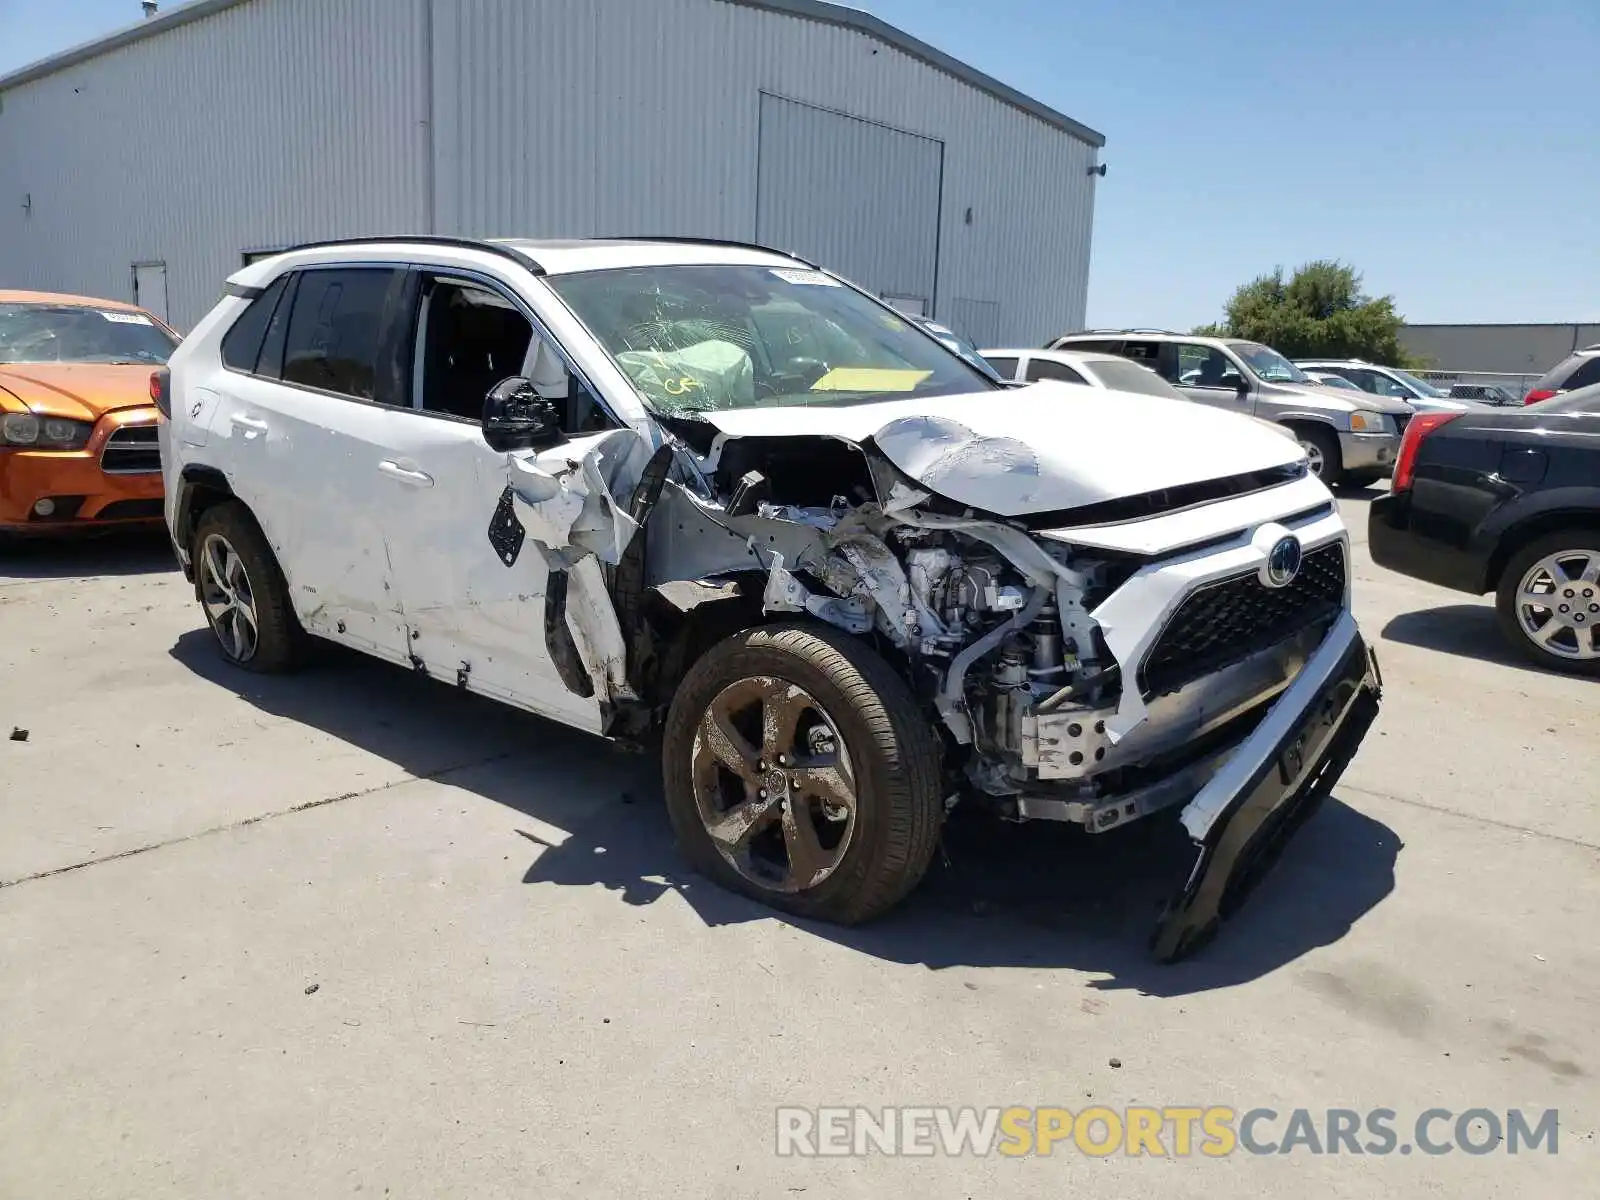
[1207, 375]
[475, 582]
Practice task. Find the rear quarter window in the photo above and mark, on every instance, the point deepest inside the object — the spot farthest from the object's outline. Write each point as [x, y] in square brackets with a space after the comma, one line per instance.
[241, 345]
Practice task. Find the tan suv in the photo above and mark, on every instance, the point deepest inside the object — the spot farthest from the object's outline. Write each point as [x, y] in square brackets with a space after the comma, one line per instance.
[1349, 437]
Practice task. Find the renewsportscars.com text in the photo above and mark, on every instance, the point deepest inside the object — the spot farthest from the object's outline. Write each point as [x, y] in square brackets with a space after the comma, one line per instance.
[1172, 1131]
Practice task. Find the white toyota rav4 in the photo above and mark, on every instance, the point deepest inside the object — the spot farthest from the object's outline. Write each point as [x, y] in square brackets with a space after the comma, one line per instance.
[714, 493]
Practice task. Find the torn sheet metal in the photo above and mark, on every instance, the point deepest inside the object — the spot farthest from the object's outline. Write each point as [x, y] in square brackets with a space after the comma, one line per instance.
[564, 498]
[785, 593]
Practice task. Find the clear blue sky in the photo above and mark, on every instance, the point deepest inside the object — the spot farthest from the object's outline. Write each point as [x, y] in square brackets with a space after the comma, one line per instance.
[1450, 149]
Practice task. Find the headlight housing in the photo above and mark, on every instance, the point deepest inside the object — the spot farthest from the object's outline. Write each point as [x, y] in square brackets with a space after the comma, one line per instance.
[25, 431]
[1365, 422]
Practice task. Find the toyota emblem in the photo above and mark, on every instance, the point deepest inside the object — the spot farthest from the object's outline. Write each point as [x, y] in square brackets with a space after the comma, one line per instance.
[1283, 562]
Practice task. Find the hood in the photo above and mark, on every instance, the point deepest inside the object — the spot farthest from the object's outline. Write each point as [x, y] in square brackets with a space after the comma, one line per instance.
[1354, 400]
[80, 391]
[1040, 448]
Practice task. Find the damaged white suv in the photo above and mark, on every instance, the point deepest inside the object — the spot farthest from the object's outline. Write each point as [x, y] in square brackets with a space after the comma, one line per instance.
[715, 493]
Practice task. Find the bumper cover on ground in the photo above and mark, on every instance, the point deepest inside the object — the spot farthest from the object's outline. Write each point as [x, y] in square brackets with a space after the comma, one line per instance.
[1272, 784]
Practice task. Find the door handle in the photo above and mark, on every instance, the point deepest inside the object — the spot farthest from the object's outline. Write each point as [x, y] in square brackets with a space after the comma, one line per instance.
[248, 424]
[405, 475]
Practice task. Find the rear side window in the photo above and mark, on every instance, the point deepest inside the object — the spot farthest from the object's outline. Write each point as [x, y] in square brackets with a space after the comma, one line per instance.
[1100, 345]
[1044, 368]
[241, 347]
[335, 330]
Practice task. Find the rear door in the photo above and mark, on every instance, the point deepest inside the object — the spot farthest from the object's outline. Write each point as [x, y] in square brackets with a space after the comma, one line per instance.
[475, 582]
[303, 429]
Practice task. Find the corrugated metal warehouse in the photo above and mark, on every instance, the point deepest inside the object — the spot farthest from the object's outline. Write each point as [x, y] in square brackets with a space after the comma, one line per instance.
[161, 157]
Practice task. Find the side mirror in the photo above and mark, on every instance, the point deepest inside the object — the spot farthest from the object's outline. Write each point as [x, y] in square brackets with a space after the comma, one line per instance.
[1242, 386]
[516, 417]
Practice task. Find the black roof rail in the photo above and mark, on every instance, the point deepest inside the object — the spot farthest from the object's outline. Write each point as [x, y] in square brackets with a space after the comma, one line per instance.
[521, 258]
[684, 240]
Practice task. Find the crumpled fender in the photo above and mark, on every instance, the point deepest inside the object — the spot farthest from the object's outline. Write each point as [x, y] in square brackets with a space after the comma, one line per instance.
[566, 502]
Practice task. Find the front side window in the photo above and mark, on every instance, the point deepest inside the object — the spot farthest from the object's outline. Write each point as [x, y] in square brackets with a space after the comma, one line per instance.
[1205, 366]
[469, 338]
[1268, 364]
[335, 330]
[703, 338]
[71, 333]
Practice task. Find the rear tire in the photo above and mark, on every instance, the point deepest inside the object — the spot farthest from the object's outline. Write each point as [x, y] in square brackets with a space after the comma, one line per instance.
[827, 739]
[243, 593]
[1528, 579]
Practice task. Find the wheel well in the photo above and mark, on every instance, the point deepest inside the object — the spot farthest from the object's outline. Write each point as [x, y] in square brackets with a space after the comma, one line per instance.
[1518, 536]
[200, 488]
[1299, 424]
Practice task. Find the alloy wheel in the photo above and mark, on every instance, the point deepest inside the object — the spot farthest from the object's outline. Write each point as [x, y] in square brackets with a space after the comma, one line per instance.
[1314, 453]
[228, 598]
[1558, 604]
[774, 784]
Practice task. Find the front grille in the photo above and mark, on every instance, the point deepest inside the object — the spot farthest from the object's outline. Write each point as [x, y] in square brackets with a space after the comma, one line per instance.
[1400, 421]
[131, 450]
[1228, 621]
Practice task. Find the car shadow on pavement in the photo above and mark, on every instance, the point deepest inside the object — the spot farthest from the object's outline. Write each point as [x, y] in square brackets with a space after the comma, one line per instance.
[1466, 630]
[997, 895]
[81, 556]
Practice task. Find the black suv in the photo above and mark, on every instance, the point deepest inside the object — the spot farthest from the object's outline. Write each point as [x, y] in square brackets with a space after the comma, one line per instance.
[1506, 501]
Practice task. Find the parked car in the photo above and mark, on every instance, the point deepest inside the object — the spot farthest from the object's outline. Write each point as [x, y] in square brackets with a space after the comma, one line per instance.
[1580, 369]
[1506, 501]
[1108, 372]
[1348, 438]
[1484, 393]
[78, 435]
[1389, 382]
[716, 494]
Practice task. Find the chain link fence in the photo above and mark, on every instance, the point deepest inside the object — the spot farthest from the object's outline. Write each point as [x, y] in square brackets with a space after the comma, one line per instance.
[1488, 386]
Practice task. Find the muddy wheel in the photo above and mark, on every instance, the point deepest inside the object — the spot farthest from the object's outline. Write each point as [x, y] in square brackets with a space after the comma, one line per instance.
[243, 593]
[800, 771]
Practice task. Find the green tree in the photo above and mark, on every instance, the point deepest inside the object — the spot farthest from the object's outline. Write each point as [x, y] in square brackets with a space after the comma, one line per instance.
[1319, 312]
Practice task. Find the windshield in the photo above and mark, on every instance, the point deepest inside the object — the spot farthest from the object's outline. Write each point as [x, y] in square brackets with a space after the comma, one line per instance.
[1335, 381]
[1124, 376]
[68, 333]
[1268, 364]
[1416, 385]
[704, 338]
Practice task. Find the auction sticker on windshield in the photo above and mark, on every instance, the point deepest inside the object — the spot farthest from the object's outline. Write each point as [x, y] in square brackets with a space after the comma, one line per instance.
[122, 318]
[805, 278]
[869, 379]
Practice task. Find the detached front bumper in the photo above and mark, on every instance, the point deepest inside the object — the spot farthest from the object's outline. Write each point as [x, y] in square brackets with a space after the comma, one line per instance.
[1276, 779]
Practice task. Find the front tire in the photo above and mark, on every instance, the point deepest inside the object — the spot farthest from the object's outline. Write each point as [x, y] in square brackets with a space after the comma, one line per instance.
[1548, 601]
[800, 771]
[243, 592]
[1322, 448]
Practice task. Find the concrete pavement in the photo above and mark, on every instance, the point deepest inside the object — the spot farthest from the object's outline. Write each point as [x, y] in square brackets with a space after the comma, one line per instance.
[354, 931]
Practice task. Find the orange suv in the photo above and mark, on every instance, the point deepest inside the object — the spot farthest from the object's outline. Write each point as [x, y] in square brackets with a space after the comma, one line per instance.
[78, 438]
